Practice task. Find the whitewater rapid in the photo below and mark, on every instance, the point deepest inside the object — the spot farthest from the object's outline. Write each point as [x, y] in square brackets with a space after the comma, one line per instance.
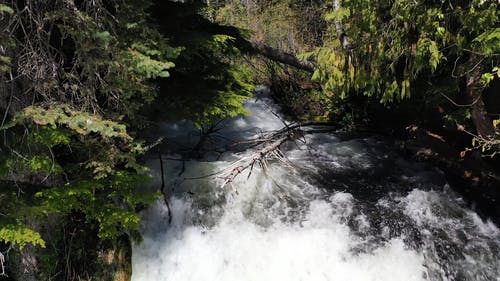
[334, 209]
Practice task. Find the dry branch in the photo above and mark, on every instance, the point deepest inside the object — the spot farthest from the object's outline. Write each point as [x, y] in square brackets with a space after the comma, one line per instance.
[271, 144]
[257, 157]
[154, 144]
[2, 265]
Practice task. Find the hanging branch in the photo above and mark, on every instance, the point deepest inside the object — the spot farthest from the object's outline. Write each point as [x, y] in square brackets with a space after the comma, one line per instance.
[162, 189]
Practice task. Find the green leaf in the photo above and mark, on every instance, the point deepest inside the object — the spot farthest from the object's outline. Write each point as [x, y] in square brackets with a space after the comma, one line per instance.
[340, 14]
[488, 42]
[20, 236]
[436, 55]
[5, 9]
[487, 78]
[496, 123]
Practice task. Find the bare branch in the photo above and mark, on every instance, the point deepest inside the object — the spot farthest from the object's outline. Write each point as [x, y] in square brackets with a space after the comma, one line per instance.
[257, 157]
[162, 189]
[271, 147]
[2, 265]
[154, 144]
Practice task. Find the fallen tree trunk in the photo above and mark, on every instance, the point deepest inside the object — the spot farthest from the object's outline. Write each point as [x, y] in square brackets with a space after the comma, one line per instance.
[271, 144]
[265, 146]
[257, 157]
[292, 60]
[278, 55]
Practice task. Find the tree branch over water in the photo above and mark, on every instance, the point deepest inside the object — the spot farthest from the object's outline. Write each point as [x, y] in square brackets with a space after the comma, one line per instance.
[271, 144]
[282, 56]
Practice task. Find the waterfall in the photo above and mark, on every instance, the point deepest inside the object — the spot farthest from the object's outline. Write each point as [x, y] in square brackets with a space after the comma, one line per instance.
[334, 208]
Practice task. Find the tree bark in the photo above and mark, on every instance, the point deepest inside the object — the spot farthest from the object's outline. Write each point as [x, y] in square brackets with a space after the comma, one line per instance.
[480, 118]
[339, 27]
[282, 57]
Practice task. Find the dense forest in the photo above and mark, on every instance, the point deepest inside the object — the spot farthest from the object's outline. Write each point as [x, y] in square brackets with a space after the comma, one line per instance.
[81, 81]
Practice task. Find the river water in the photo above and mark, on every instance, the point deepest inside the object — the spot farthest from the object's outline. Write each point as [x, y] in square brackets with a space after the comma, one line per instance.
[333, 208]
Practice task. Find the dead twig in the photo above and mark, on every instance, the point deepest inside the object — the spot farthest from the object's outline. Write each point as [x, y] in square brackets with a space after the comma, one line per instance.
[162, 189]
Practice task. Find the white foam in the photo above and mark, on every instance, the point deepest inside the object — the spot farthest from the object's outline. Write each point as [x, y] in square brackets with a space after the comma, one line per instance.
[487, 228]
[318, 249]
[420, 206]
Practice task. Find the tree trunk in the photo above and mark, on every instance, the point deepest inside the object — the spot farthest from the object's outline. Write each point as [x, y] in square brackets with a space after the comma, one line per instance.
[282, 57]
[482, 122]
[339, 27]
